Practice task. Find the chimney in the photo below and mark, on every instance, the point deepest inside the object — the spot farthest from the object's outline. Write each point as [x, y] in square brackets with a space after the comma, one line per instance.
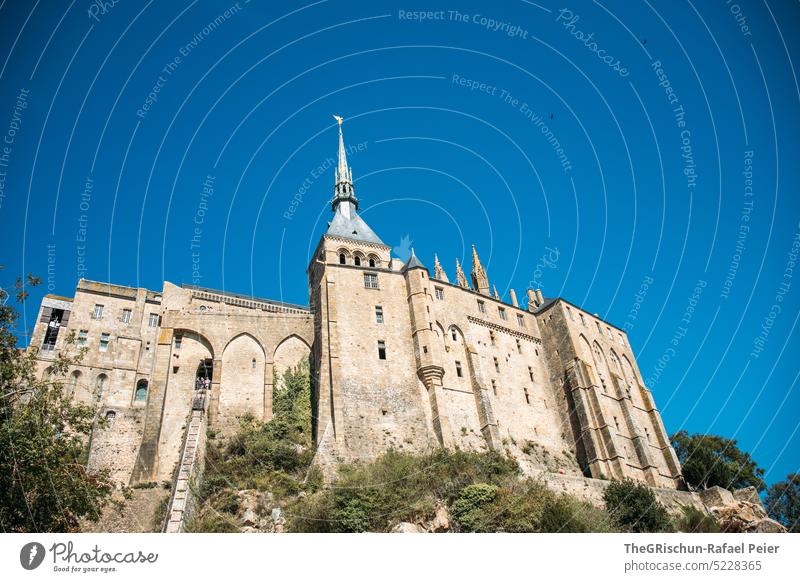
[513, 295]
[531, 300]
[539, 298]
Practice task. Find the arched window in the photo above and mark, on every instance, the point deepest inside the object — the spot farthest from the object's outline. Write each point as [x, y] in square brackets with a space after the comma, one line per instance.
[74, 378]
[453, 334]
[342, 259]
[100, 385]
[110, 416]
[141, 391]
[372, 262]
[357, 261]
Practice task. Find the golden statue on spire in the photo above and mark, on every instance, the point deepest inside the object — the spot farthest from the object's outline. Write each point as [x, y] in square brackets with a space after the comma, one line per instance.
[338, 119]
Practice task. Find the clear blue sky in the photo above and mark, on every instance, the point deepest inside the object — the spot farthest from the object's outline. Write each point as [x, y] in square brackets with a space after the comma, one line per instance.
[659, 109]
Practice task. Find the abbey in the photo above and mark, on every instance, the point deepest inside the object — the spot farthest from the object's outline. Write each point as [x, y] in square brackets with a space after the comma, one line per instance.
[401, 357]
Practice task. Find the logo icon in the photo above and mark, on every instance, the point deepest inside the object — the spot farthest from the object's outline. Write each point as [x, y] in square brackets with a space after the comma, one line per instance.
[403, 250]
[31, 555]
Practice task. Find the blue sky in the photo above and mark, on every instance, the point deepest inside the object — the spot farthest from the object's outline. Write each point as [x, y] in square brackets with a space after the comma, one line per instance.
[637, 158]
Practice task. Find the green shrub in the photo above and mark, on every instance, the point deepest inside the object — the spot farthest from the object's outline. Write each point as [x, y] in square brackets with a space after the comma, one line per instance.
[469, 508]
[692, 520]
[633, 507]
[564, 514]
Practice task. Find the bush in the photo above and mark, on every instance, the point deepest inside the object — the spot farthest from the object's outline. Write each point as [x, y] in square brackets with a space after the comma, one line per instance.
[692, 520]
[564, 514]
[633, 507]
[469, 508]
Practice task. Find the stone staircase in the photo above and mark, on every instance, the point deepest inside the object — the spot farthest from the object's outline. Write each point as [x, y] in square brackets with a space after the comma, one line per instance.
[181, 503]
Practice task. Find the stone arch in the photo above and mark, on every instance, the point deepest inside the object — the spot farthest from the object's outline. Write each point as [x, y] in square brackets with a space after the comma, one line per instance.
[616, 365]
[343, 253]
[358, 258]
[373, 260]
[241, 389]
[289, 352]
[140, 392]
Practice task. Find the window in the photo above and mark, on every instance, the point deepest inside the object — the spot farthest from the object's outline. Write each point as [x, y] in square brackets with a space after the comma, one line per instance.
[616, 422]
[527, 396]
[439, 293]
[371, 280]
[100, 386]
[492, 337]
[153, 320]
[502, 312]
[481, 306]
[381, 350]
[459, 372]
[496, 365]
[110, 416]
[599, 329]
[571, 316]
[357, 261]
[520, 320]
[608, 329]
[342, 259]
[98, 311]
[141, 391]
[82, 337]
[621, 339]
[378, 314]
[530, 373]
[372, 262]
[126, 316]
[647, 433]
[519, 346]
[73, 383]
[178, 342]
[583, 319]
[104, 338]
[453, 334]
[253, 363]
[494, 387]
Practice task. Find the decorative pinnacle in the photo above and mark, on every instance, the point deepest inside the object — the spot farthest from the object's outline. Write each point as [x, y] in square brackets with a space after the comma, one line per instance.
[438, 272]
[343, 178]
[461, 278]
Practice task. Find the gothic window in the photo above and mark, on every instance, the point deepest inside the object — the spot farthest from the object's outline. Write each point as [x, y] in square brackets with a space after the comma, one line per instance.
[378, 314]
[342, 259]
[98, 311]
[372, 262]
[459, 372]
[381, 350]
[481, 306]
[153, 320]
[140, 395]
[439, 293]
[82, 337]
[357, 261]
[104, 339]
[502, 312]
[520, 320]
[583, 319]
[371, 280]
[126, 316]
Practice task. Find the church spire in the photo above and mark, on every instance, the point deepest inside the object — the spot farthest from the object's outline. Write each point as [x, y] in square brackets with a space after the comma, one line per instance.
[438, 272]
[480, 281]
[343, 190]
[461, 278]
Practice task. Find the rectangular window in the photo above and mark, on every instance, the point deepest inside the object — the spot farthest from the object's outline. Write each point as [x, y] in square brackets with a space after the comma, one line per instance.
[494, 387]
[439, 293]
[492, 337]
[82, 337]
[381, 350]
[481, 306]
[98, 311]
[519, 346]
[126, 316]
[520, 320]
[178, 342]
[378, 314]
[459, 372]
[371, 280]
[502, 312]
[153, 320]
[104, 338]
[496, 365]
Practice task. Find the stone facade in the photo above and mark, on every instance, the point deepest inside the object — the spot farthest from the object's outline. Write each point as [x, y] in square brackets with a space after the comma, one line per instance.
[400, 359]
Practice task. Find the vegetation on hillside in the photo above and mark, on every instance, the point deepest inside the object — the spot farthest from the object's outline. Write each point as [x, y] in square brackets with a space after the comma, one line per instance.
[710, 460]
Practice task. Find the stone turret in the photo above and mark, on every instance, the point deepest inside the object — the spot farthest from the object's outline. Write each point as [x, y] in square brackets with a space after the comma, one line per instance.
[461, 278]
[480, 281]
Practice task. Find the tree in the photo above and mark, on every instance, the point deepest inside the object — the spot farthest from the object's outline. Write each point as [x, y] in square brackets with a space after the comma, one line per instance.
[783, 502]
[633, 507]
[710, 460]
[45, 485]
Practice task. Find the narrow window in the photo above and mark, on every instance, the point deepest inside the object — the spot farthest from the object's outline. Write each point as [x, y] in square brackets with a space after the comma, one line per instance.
[253, 363]
[126, 316]
[141, 391]
[371, 280]
[494, 387]
[381, 350]
[502, 312]
[481, 306]
[647, 434]
[496, 365]
[520, 320]
[104, 338]
[492, 337]
[357, 261]
[571, 316]
[527, 396]
[616, 422]
[98, 311]
[439, 293]
[519, 346]
[599, 329]
[530, 373]
[453, 334]
[372, 262]
[342, 259]
[608, 329]
[178, 342]
[583, 319]
[153, 320]
[73, 384]
[378, 314]
[424, 349]
[459, 372]
[82, 337]
[99, 386]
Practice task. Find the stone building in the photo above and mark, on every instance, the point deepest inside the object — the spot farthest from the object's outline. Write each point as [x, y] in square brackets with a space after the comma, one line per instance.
[400, 358]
